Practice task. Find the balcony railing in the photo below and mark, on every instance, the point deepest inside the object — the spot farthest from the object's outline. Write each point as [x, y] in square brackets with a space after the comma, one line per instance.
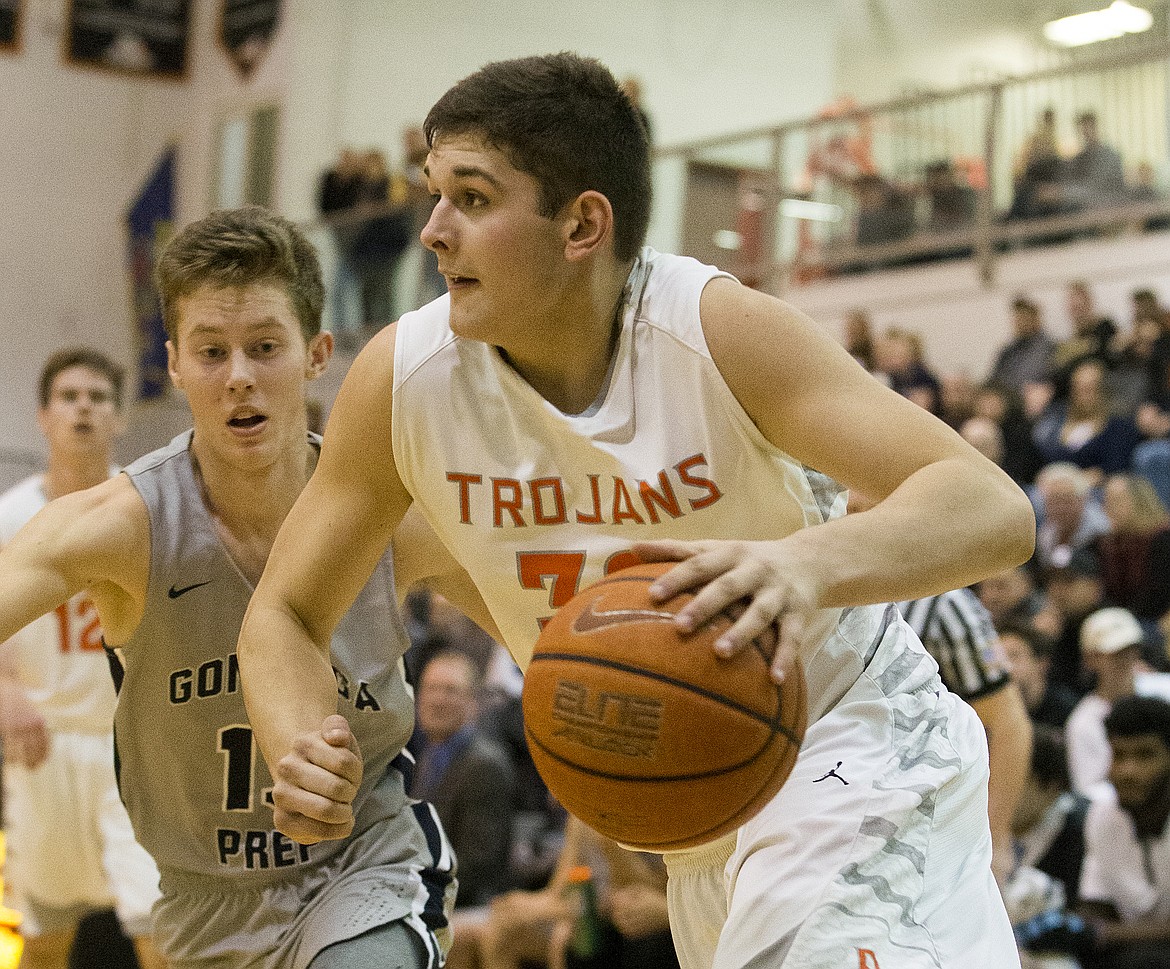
[968, 173]
[934, 176]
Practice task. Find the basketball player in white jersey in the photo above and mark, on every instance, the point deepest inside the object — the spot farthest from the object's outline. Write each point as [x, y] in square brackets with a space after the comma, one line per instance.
[71, 849]
[168, 551]
[575, 398]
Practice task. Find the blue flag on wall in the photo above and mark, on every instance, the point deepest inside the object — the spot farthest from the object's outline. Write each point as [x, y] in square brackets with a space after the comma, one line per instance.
[151, 223]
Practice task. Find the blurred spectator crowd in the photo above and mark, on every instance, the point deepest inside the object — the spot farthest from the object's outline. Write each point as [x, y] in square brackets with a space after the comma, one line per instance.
[940, 206]
[1083, 425]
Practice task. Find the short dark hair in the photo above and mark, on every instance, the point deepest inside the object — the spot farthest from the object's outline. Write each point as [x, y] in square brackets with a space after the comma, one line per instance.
[564, 120]
[240, 247]
[445, 650]
[1135, 716]
[1049, 757]
[1039, 643]
[1026, 304]
[86, 357]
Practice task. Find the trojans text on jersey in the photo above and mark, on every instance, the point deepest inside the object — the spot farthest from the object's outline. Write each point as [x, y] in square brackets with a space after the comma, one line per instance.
[599, 499]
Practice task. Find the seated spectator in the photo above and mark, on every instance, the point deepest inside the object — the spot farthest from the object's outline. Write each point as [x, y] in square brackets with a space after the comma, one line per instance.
[1038, 171]
[1006, 409]
[1111, 641]
[1092, 336]
[1076, 591]
[1028, 654]
[1135, 553]
[1013, 598]
[533, 928]
[956, 399]
[538, 826]
[633, 931]
[467, 778]
[1145, 189]
[884, 213]
[899, 362]
[1027, 357]
[1125, 879]
[1094, 176]
[1050, 829]
[1069, 517]
[951, 203]
[1083, 430]
[1050, 822]
[859, 338]
[985, 437]
[1128, 382]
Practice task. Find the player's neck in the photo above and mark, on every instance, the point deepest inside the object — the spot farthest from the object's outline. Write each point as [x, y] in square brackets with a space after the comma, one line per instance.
[248, 506]
[569, 362]
[67, 474]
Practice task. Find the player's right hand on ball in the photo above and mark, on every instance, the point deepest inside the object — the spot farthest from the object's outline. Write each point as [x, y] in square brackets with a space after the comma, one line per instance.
[316, 782]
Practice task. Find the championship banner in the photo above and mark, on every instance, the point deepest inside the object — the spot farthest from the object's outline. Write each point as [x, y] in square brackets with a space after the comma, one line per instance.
[147, 37]
[246, 28]
[151, 223]
[10, 24]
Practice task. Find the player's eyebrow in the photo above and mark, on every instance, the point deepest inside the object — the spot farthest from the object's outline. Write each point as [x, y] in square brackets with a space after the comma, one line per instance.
[470, 171]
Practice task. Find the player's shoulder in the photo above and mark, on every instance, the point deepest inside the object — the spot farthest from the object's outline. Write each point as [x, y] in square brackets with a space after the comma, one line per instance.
[418, 336]
[110, 509]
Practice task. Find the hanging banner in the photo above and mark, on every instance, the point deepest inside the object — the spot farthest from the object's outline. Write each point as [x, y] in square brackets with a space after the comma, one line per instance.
[150, 222]
[148, 37]
[10, 24]
[246, 28]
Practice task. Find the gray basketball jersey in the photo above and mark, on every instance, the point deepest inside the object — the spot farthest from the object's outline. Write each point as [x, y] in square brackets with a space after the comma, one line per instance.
[190, 772]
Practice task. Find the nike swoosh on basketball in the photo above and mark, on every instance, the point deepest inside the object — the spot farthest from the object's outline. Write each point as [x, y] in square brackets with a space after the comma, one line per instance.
[174, 592]
[590, 620]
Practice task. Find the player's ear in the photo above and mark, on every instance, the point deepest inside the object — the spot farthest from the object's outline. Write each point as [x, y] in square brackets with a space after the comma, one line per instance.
[588, 225]
[173, 364]
[318, 354]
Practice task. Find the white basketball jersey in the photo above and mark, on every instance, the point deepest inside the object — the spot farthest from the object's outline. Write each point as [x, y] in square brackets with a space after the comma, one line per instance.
[536, 504]
[59, 657]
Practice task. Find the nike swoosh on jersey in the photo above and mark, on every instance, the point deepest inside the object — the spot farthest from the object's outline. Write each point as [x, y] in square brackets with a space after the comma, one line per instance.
[173, 592]
[591, 620]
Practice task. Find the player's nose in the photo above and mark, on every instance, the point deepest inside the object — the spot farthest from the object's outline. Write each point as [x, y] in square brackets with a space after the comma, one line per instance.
[436, 234]
[241, 374]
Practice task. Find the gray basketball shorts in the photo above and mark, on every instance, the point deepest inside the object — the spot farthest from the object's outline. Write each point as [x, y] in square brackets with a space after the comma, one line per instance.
[401, 868]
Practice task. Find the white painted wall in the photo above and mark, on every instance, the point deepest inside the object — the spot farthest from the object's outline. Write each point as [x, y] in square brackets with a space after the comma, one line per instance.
[964, 324]
[75, 144]
[706, 67]
[75, 147]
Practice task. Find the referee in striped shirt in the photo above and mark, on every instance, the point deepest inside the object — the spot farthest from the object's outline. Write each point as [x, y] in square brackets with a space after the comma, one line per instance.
[958, 632]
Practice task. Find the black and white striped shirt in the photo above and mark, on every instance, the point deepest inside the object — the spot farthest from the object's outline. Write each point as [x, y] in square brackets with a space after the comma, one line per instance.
[958, 632]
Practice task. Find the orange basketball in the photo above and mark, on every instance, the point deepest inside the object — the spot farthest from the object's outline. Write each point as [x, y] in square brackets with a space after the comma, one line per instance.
[647, 736]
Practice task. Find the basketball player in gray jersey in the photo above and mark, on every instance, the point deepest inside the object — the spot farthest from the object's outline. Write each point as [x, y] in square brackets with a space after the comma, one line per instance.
[169, 552]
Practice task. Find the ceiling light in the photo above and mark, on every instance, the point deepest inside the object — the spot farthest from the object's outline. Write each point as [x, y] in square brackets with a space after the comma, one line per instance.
[1116, 20]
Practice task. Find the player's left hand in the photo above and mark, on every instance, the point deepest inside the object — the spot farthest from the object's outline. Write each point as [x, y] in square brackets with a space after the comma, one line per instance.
[779, 591]
[316, 782]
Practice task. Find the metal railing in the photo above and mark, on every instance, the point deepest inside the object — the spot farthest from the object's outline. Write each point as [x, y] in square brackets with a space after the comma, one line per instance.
[793, 203]
[930, 176]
